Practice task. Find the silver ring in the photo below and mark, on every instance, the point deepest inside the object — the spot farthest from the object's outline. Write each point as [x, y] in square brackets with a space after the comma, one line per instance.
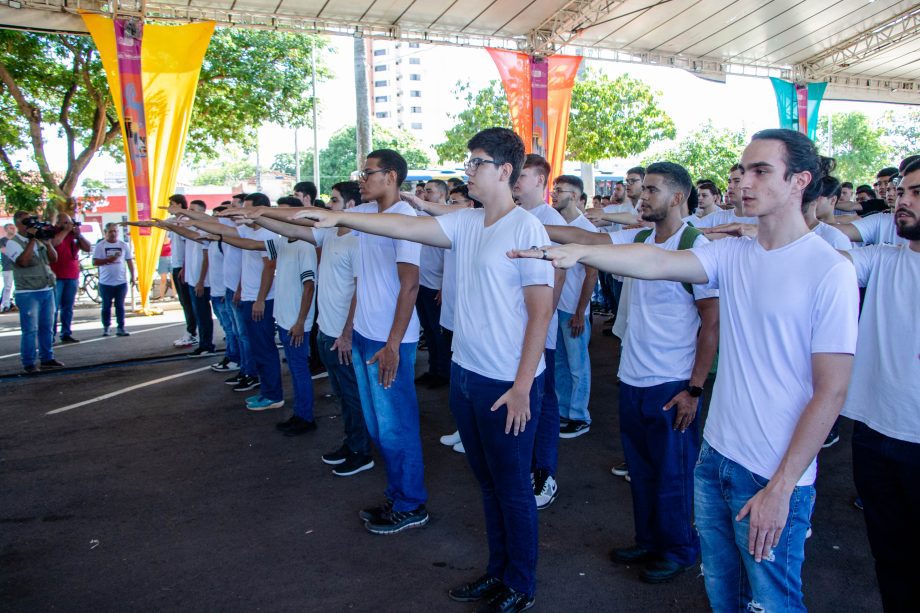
[545, 254]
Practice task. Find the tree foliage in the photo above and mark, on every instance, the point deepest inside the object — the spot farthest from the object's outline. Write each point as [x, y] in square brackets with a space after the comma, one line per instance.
[226, 173]
[608, 118]
[902, 132]
[707, 153]
[856, 145]
[339, 159]
[55, 84]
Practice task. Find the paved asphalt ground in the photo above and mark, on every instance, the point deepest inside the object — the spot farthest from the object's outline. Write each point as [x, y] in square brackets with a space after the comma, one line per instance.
[172, 497]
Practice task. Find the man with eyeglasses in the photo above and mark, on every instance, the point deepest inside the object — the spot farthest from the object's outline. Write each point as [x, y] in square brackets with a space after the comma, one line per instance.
[530, 191]
[502, 316]
[431, 272]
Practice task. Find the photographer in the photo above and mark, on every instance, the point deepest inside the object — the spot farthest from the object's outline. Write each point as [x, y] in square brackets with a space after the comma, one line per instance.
[68, 242]
[32, 253]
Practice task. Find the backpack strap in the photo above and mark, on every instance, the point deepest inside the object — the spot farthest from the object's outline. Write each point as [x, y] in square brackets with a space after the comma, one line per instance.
[642, 236]
[687, 239]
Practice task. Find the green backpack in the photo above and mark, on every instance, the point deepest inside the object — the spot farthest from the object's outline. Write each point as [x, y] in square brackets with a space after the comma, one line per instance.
[687, 239]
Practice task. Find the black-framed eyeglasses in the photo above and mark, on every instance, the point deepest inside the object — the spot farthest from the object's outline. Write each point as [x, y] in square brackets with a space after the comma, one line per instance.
[556, 190]
[364, 174]
[633, 181]
[473, 164]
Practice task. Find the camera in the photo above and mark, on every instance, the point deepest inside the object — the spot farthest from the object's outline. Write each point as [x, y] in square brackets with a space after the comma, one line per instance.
[43, 230]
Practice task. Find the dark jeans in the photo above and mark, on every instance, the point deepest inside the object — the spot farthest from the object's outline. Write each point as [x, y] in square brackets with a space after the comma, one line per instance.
[546, 445]
[887, 475]
[65, 294]
[429, 315]
[501, 464]
[298, 361]
[186, 301]
[116, 294]
[261, 335]
[345, 386]
[247, 366]
[661, 462]
[201, 307]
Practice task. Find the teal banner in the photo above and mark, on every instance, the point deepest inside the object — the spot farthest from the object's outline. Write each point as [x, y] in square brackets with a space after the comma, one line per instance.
[798, 104]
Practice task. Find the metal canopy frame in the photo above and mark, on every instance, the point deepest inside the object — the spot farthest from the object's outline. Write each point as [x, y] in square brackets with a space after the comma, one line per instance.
[866, 50]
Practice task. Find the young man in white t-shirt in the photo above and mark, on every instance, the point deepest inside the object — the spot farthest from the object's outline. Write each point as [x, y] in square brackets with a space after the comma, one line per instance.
[788, 310]
[431, 274]
[220, 304]
[883, 401]
[736, 214]
[114, 258]
[573, 332]
[502, 317]
[530, 193]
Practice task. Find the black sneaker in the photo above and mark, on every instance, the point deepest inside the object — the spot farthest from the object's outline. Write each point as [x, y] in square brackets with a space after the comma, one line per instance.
[353, 464]
[52, 364]
[397, 521]
[202, 352]
[661, 571]
[507, 600]
[832, 439]
[484, 587]
[246, 384]
[632, 555]
[234, 379]
[301, 426]
[620, 470]
[222, 366]
[69, 339]
[334, 458]
[31, 369]
[574, 428]
[284, 425]
[376, 513]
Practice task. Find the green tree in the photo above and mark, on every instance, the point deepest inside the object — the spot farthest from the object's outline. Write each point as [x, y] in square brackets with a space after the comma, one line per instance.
[55, 84]
[227, 173]
[608, 118]
[902, 132]
[707, 153]
[852, 140]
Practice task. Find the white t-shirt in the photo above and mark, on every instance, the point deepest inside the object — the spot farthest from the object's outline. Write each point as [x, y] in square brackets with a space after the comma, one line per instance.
[295, 265]
[879, 229]
[575, 276]
[777, 308]
[449, 290]
[115, 273]
[491, 317]
[431, 267]
[252, 264]
[549, 216]
[834, 237]
[660, 340]
[233, 262]
[194, 256]
[177, 255]
[216, 268]
[721, 217]
[378, 278]
[886, 369]
[616, 208]
[337, 271]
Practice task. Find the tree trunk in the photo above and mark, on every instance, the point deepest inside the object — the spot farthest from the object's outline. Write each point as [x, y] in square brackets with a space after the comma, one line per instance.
[363, 119]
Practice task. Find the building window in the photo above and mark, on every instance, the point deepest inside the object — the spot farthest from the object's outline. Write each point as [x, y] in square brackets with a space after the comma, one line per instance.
[415, 60]
[381, 83]
[415, 77]
[382, 115]
[415, 109]
[380, 68]
[416, 126]
[379, 52]
[415, 93]
[381, 98]
[413, 45]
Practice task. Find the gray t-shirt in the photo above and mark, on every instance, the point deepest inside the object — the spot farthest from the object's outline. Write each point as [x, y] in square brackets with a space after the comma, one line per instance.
[7, 263]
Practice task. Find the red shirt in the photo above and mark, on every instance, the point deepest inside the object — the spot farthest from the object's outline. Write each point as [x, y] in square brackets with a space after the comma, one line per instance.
[166, 251]
[68, 260]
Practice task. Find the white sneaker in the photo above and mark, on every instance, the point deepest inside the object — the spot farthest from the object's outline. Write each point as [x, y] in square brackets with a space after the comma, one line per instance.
[451, 439]
[547, 494]
[182, 341]
[459, 448]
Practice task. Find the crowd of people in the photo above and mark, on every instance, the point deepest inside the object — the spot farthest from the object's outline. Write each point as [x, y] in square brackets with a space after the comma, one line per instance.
[760, 285]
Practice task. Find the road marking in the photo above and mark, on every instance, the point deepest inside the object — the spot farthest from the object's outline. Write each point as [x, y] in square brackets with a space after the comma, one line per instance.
[100, 338]
[126, 390]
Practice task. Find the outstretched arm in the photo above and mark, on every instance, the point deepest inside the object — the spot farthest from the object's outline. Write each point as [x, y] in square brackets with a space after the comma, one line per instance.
[425, 230]
[570, 234]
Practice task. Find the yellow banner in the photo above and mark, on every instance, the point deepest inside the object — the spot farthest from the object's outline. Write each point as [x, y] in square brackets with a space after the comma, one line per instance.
[171, 58]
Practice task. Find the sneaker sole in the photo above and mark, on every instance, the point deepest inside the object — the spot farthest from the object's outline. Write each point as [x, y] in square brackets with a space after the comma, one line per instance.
[618, 473]
[574, 434]
[387, 531]
[274, 405]
[551, 501]
[360, 469]
[248, 388]
[332, 462]
[231, 382]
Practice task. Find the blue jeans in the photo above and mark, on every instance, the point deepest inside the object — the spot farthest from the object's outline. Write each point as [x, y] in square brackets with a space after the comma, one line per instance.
[298, 361]
[36, 319]
[201, 307]
[546, 445]
[116, 294]
[345, 386]
[660, 461]
[573, 370]
[247, 366]
[501, 464]
[65, 294]
[221, 308]
[734, 581]
[264, 352]
[429, 315]
[391, 416]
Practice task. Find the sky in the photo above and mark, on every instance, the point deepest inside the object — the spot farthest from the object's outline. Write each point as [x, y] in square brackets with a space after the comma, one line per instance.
[741, 103]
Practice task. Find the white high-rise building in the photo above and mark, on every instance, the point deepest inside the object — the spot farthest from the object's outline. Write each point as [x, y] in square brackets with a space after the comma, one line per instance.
[401, 94]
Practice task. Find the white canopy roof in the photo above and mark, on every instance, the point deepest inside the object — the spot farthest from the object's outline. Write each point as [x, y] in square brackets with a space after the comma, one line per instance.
[865, 49]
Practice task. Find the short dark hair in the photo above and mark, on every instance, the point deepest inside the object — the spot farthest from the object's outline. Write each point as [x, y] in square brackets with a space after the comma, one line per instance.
[391, 160]
[226, 202]
[180, 200]
[20, 215]
[709, 186]
[306, 187]
[320, 203]
[846, 184]
[888, 171]
[504, 146]
[675, 175]
[464, 190]
[734, 168]
[240, 197]
[257, 199]
[637, 170]
[455, 181]
[906, 162]
[349, 190]
[420, 184]
[830, 187]
[219, 208]
[290, 201]
[442, 185]
[620, 182]
[583, 198]
[540, 164]
[200, 203]
[572, 180]
[801, 156]
[867, 189]
[596, 197]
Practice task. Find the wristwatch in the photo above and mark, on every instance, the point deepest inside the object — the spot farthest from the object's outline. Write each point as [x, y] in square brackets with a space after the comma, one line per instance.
[694, 391]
